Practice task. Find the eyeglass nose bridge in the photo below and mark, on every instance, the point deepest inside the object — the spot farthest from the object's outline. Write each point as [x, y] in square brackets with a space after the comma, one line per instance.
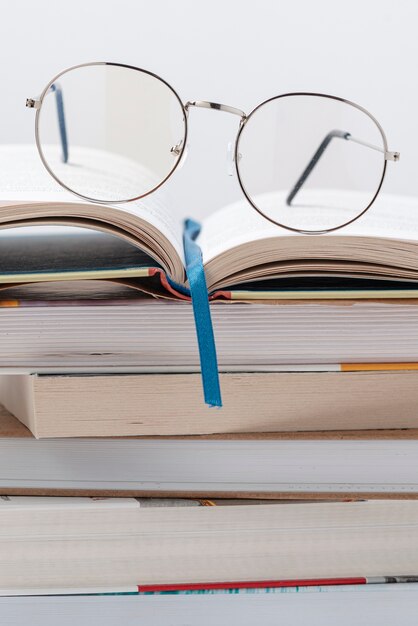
[204, 104]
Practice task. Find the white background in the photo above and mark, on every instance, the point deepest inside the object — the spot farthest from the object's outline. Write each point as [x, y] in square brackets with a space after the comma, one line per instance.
[238, 53]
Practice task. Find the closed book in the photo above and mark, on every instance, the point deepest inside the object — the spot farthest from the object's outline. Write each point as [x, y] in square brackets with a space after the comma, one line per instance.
[82, 542]
[328, 465]
[320, 606]
[91, 326]
[352, 397]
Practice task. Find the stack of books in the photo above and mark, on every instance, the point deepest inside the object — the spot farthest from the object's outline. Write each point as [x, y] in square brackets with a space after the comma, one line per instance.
[122, 495]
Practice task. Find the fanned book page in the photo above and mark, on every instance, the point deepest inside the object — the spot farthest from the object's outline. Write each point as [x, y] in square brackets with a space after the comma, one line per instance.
[30, 196]
[239, 245]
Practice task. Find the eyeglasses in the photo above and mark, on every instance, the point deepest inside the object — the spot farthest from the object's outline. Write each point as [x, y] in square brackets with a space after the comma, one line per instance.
[112, 133]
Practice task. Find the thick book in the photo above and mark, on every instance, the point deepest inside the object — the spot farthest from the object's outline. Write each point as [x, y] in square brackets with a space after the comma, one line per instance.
[351, 397]
[94, 326]
[244, 255]
[76, 542]
[306, 465]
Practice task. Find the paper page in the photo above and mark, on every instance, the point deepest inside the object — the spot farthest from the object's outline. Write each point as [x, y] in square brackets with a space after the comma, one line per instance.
[390, 216]
[23, 178]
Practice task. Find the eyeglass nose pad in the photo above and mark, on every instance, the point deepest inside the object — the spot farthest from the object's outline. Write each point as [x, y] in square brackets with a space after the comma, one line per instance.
[176, 151]
[230, 158]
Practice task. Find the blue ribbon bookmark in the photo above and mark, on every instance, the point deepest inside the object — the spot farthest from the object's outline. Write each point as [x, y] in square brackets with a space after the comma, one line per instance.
[201, 311]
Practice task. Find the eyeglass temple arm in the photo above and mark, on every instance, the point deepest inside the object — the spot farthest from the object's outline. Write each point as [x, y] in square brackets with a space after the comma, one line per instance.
[340, 134]
[55, 88]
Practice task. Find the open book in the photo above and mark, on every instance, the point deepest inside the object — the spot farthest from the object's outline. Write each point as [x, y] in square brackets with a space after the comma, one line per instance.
[244, 255]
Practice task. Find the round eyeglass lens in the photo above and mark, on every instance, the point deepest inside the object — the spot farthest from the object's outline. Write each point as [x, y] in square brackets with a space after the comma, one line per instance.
[310, 163]
[110, 133]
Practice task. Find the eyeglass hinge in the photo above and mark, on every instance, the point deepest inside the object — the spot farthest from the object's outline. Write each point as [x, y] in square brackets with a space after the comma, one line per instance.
[32, 103]
[392, 156]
